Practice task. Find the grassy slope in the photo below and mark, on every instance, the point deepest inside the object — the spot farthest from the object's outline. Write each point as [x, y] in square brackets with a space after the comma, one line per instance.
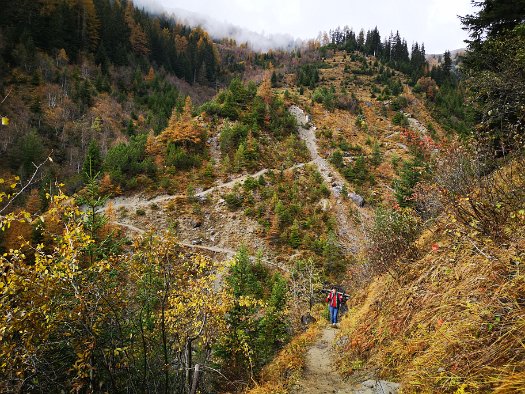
[340, 125]
[451, 321]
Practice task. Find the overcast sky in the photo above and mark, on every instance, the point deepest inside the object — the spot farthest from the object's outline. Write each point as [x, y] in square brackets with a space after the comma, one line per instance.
[433, 22]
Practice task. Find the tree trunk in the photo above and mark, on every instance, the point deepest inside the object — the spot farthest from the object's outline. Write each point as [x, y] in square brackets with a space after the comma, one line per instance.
[144, 350]
[188, 365]
[165, 339]
[195, 382]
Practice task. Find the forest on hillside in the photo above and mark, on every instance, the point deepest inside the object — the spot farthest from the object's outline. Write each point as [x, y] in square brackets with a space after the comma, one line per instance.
[246, 182]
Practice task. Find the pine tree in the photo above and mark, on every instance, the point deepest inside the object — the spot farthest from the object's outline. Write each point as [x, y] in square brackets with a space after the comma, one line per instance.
[494, 17]
[295, 237]
[361, 40]
[447, 64]
[332, 256]
[182, 129]
[137, 38]
[274, 80]
[410, 175]
[274, 232]
[93, 161]
[239, 159]
[90, 30]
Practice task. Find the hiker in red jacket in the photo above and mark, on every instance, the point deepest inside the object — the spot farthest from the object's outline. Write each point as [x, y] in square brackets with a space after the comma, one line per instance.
[334, 300]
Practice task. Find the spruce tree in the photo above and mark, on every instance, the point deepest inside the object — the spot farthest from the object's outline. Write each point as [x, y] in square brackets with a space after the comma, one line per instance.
[93, 162]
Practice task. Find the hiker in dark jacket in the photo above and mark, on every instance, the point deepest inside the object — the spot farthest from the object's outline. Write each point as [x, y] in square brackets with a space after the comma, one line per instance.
[334, 300]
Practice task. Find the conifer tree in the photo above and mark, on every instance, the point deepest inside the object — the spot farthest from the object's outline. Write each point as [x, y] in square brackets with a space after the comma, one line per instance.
[93, 162]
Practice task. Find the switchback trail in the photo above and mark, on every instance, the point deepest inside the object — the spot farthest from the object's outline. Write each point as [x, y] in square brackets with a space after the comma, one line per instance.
[229, 253]
[137, 201]
[348, 234]
[321, 376]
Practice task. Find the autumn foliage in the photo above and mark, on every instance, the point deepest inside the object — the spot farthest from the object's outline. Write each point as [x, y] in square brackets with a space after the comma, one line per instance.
[182, 129]
[119, 320]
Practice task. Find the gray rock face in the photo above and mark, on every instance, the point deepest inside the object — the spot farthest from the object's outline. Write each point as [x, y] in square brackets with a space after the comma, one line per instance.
[357, 199]
[302, 118]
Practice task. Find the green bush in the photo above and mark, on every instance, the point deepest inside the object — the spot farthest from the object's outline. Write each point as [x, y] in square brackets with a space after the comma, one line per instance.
[181, 159]
[294, 239]
[358, 172]
[250, 183]
[400, 119]
[234, 200]
[230, 102]
[395, 161]
[257, 113]
[411, 173]
[308, 75]
[127, 160]
[325, 96]
[391, 236]
[29, 150]
[232, 136]
[337, 159]
[262, 330]
[282, 122]
[399, 103]
[377, 156]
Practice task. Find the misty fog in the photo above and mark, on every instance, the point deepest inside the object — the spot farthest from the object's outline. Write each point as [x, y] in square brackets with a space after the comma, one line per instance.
[217, 29]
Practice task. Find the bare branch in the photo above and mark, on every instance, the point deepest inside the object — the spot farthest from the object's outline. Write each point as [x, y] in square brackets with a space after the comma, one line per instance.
[28, 183]
[6, 96]
[479, 250]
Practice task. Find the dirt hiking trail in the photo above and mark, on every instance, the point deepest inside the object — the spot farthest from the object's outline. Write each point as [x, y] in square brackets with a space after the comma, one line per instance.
[320, 375]
[347, 234]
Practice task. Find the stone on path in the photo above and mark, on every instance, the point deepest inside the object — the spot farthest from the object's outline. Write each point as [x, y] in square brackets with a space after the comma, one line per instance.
[359, 201]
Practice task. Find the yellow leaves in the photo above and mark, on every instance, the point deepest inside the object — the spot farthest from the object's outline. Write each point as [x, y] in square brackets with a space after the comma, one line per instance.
[181, 129]
[249, 302]
[520, 214]
[461, 389]
[60, 292]
[117, 351]
[197, 307]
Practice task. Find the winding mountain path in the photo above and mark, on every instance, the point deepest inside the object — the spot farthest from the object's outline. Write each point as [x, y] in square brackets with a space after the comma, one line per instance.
[347, 235]
[229, 253]
[215, 249]
[321, 376]
[137, 201]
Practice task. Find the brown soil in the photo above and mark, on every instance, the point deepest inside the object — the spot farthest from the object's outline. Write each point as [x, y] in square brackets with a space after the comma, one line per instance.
[320, 375]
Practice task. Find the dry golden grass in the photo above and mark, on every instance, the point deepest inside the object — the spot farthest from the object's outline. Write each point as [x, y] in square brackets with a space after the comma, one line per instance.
[454, 321]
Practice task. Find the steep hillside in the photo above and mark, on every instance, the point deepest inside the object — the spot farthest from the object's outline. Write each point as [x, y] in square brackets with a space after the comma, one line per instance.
[171, 209]
[450, 319]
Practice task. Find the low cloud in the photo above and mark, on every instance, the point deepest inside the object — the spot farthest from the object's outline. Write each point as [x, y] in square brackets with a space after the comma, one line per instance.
[257, 41]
